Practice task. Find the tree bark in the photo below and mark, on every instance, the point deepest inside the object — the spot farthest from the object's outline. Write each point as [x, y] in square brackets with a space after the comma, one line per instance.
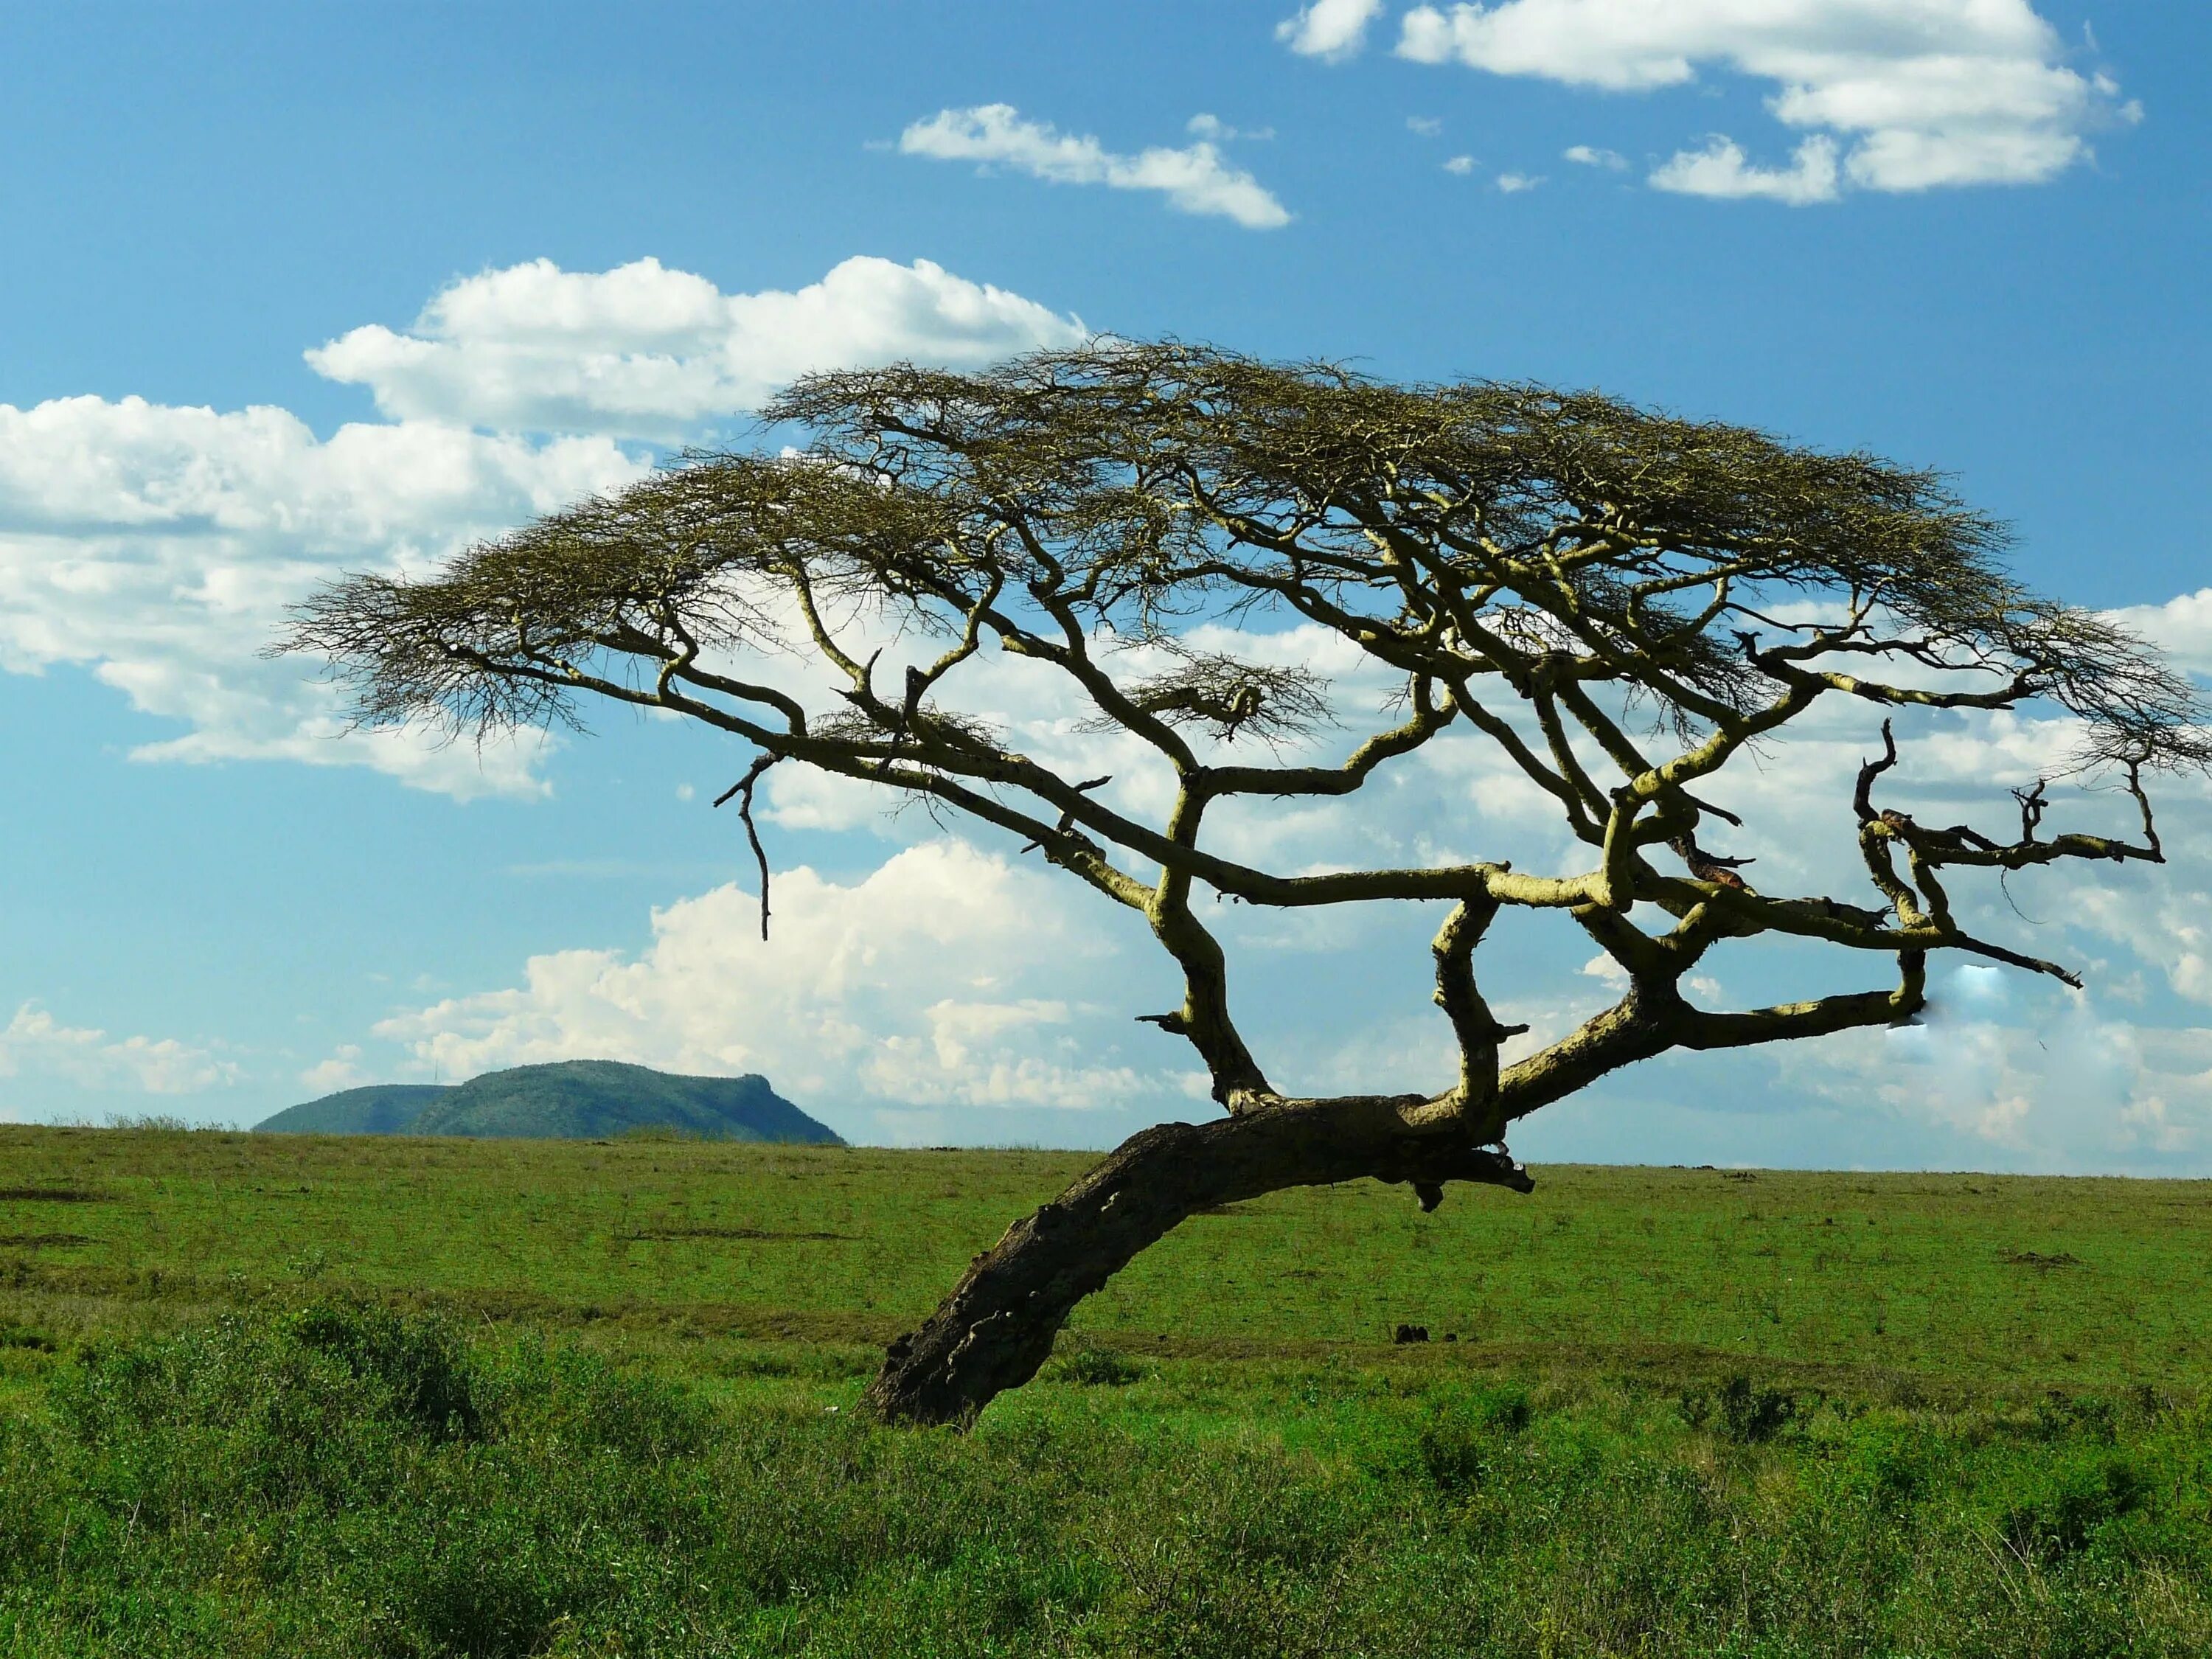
[997, 1327]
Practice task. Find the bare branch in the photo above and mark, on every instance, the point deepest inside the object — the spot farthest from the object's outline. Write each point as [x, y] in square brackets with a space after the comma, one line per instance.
[743, 790]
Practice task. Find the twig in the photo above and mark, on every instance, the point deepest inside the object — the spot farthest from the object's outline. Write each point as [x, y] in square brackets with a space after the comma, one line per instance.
[743, 790]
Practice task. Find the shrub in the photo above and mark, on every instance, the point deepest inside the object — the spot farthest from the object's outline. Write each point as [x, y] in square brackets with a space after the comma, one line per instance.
[418, 1362]
[1464, 1432]
[1749, 1415]
[2065, 1505]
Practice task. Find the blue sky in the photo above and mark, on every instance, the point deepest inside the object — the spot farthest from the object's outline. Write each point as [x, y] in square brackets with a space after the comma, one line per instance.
[1969, 233]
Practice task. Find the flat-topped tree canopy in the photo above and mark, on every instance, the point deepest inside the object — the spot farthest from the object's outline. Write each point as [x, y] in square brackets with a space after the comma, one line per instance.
[1623, 602]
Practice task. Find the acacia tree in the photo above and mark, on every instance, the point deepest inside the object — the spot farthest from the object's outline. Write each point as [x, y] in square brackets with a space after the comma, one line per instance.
[1622, 603]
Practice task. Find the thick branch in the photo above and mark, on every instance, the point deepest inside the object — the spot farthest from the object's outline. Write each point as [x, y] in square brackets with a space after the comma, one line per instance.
[1653, 1019]
[1475, 1029]
[998, 1325]
[1204, 1017]
[1788, 1022]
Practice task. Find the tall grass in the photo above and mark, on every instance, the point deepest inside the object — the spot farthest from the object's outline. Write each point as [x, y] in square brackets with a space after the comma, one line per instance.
[336, 1477]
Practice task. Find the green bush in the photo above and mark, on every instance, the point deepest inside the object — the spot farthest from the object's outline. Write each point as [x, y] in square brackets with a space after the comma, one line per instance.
[1466, 1431]
[419, 1364]
[2066, 1505]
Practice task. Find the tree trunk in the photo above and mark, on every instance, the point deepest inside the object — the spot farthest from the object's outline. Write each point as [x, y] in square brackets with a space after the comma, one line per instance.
[997, 1327]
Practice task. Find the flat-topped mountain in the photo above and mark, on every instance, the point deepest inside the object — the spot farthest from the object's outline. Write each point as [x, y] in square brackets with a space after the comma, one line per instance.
[572, 1100]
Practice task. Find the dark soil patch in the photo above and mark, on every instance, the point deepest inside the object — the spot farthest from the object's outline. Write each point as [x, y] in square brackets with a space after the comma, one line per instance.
[41, 1241]
[663, 1234]
[50, 1195]
[2040, 1262]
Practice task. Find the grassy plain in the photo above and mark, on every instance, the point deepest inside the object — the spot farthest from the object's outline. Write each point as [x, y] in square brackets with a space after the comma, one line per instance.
[282, 1395]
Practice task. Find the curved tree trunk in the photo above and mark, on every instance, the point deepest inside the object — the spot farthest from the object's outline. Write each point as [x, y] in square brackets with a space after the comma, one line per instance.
[997, 1327]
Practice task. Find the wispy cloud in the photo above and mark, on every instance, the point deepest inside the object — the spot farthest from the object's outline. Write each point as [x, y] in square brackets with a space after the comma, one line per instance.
[1212, 127]
[1589, 156]
[1195, 178]
[36, 1043]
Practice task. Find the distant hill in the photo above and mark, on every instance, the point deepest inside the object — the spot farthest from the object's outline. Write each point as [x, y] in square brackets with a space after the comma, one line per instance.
[382, 1109]
[572, 1100]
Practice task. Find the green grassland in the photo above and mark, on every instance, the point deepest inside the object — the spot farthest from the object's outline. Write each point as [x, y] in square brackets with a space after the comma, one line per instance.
[297, 1394]
[1956, 1280]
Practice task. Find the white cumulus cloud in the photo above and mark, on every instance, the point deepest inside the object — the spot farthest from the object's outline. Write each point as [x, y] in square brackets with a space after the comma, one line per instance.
[946, 977]
[1194, 178]
[1333, 29]
[156, 546]
[1910, 95]
[2182, 627]
[645, 350]
[341, 1070]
